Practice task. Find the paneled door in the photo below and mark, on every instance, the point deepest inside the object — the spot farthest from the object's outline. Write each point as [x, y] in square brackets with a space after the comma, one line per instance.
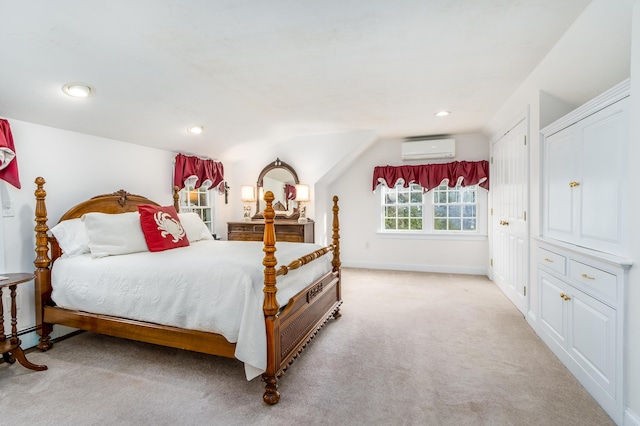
[509, 230]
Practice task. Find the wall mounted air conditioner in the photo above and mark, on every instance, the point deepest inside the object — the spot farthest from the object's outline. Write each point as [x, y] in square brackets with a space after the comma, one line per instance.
[428, 149]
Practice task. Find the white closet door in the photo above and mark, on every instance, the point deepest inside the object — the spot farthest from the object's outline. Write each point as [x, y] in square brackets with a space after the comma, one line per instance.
[510, 195]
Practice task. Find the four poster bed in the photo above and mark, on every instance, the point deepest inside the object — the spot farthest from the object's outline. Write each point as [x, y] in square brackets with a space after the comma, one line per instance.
[236, 304]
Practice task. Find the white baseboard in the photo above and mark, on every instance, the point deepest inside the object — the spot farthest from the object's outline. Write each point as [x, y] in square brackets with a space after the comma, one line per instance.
[630, 418]
[444, 269]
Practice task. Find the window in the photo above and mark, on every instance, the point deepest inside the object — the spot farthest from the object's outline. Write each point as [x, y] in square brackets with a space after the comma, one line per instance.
[454, 209]
[402, 208]
[443, 210]
[197, 200]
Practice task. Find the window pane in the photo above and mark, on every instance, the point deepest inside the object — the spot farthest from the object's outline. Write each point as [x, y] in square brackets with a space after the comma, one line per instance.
[469, 196]
[454, 211]
[416, 197]
[416, 224]
[390, 198]
[469, 211]
[469, 224]
[454, 224]
[403, 211]
[453, 197]
[416, 211]
[403, 197]
[403, 223]
[390, 223]
[442, 197]
[440, 211]
[390, 211]
[440, 224]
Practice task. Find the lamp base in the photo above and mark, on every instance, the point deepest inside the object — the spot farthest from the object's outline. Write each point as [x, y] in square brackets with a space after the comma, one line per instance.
[303, 213]
[247, 212]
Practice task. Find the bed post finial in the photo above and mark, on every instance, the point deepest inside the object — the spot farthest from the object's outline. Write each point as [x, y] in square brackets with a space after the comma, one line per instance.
[176, 198]
[336, 235]
[42, 263]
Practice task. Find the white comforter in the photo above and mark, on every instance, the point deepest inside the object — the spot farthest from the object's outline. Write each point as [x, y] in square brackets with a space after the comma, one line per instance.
[214, 286]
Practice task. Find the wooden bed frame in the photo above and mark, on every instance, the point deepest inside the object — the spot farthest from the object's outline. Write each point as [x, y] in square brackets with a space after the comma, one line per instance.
[289, 330]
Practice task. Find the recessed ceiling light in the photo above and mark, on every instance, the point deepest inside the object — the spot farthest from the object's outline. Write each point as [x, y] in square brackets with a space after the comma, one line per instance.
[195, 130]
[442, 113]
[78, 90]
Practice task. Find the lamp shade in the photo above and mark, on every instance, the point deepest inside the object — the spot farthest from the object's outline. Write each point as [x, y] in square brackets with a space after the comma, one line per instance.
[247, 193]
[302, 193]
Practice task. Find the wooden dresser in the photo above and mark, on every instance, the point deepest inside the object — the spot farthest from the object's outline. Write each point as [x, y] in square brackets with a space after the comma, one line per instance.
[286, 230]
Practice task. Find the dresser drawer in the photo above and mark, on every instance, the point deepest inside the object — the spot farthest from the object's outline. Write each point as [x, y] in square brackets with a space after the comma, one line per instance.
[286, 230]
[596, 279]
[248, 227]
[553, 261]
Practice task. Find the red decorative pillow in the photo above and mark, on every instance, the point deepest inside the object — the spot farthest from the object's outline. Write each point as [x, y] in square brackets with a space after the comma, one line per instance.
[161, 227]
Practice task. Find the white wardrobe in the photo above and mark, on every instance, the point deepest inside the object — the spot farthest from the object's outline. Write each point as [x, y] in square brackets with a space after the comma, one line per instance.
[580, 256]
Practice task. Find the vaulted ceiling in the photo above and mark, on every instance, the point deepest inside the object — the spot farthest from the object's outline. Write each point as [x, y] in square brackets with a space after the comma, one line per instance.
[265, 72]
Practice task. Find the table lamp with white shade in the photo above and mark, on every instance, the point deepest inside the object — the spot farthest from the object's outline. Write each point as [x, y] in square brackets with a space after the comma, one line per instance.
[302, 196]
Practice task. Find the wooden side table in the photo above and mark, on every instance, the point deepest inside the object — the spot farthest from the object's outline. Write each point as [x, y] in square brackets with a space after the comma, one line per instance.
[10, 349]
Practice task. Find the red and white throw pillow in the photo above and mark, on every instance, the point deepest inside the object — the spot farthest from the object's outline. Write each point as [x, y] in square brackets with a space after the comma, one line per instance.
[161, 227]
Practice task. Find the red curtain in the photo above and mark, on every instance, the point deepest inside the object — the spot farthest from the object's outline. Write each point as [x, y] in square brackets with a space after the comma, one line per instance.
[429, 176]
[206, 172]
[8, 161]
[290, 191]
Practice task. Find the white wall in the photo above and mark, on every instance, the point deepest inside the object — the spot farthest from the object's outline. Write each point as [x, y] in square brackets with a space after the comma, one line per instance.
[75, 167]
[594, 55]
[362, 246]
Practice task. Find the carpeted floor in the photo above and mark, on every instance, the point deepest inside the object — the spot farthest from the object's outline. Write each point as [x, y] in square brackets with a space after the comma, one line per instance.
[410, 349]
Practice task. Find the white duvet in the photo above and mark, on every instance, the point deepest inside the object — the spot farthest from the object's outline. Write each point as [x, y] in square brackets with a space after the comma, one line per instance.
[214, 286]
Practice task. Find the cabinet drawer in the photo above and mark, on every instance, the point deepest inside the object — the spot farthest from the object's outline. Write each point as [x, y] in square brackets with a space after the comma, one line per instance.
[596, 279]
[552, 260]
[249, 227]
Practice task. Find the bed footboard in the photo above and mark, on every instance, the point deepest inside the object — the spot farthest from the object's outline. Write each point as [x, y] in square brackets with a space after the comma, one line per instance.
[290, 331]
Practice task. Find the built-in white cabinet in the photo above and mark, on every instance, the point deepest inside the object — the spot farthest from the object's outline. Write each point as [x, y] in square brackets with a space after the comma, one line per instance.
[581, 314]
[585, 174]
[582, 270]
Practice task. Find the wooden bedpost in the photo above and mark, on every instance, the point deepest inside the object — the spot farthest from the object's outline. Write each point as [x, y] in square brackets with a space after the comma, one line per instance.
[176, 198]
[42, 263]
[271, 395]
[336, 235]
[336, 248]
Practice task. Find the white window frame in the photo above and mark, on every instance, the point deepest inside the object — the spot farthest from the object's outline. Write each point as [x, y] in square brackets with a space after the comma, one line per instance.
[200, 201]
[428, 218]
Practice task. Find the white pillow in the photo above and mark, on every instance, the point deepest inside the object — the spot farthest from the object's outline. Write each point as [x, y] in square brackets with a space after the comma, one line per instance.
[194, 227]
[114, 234]
[72, 237]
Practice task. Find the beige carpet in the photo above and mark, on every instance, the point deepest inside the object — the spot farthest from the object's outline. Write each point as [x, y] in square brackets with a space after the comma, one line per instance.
[410, 349]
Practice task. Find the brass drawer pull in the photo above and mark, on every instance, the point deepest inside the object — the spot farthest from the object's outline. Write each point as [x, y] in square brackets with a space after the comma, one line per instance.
[548, 260]
[564, 296]
[587, 277]
[574, 184]
[504, 222]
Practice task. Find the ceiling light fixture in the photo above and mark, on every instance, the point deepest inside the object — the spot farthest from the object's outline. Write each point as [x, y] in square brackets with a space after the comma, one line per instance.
[195, 130]
[78, 90]
[442, 113]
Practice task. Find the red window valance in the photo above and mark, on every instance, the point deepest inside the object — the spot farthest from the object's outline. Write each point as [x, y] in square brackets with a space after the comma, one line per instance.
[429, 176]
[207, 173]
[8, 160]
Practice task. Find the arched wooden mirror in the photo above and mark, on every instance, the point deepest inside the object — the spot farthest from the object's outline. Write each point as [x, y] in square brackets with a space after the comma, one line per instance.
[277, 177]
